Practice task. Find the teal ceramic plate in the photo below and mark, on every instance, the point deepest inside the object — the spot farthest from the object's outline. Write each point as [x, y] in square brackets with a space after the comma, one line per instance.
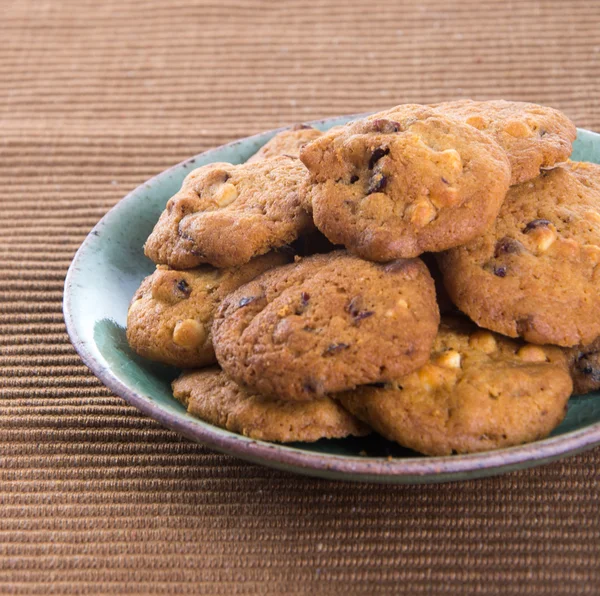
[110, 265]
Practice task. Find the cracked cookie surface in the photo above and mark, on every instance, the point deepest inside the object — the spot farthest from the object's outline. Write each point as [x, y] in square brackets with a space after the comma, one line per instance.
[325, 324]
[226, 214]
[403, 182]
[533, 136]
[478, 391]
[288, 142]
[212, 396]
[535, 273]
[170, 315]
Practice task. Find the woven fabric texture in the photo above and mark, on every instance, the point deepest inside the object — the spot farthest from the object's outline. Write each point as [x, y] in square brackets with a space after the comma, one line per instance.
[95, 498]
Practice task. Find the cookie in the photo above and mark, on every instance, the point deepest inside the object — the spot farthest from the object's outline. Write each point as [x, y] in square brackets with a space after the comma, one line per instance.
[404, 182]
[170, 315]
[585, 367]
[224, 214]
[212, 396]
[479, 391]
[325, 324]
[535, 273]
[289, 142]
[534, 137]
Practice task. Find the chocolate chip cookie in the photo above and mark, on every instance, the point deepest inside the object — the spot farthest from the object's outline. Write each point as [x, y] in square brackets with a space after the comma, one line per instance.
[225, 214]
[534, 137]
[403, 182]
[325, 324]
[289, 142]
[170, 316]
[212, 396]
[478, 391]
[535, 273]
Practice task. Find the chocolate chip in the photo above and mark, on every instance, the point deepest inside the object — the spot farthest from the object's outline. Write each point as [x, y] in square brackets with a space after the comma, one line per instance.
[194, 250]
[246, 300]
[335, 348]
[363, 315]
[384, 126]
[377, 155]
[304, 299]
[588, 367]
[354, 308]
[377, 184]
[184, 287]
[536, 223]
[353, 179]
[500, 271]
[508, 245]
[445, 181]
[542, 132]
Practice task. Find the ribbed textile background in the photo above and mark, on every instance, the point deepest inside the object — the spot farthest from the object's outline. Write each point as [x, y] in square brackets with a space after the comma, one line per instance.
[95, 498]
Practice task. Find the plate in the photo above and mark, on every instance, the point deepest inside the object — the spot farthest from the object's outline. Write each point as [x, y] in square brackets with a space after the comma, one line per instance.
[110, 265]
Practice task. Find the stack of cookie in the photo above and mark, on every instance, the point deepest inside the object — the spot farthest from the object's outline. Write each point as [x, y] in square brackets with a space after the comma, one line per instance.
[302, 290]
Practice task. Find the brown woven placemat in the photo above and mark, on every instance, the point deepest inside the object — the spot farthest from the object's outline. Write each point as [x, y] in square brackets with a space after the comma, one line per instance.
[95, 97]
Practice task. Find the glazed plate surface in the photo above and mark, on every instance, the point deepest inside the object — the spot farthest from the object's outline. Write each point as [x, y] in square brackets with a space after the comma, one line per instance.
[109, 267]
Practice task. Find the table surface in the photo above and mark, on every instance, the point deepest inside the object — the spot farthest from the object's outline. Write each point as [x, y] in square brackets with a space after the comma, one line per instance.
[96, 97]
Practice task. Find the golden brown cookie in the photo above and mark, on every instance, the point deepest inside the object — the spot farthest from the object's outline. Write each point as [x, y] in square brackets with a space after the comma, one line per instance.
[403, 182]
[326, 324]
[535, 273]
[479, 391]
[289, 142]
[225, 214]
[171, 313]
[212, 396]
[585, 367]
[534, 137]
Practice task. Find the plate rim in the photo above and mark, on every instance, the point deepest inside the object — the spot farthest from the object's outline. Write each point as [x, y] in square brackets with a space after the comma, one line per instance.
[332, 466]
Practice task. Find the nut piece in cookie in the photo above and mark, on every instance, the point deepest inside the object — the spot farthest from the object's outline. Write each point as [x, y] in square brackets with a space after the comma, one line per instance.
[225, 214]
[534, 137]
[212, 396]
[170, 315]
[479, 391]
[534, 273]
[404, 182]
[325, 324]
[289, 142]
